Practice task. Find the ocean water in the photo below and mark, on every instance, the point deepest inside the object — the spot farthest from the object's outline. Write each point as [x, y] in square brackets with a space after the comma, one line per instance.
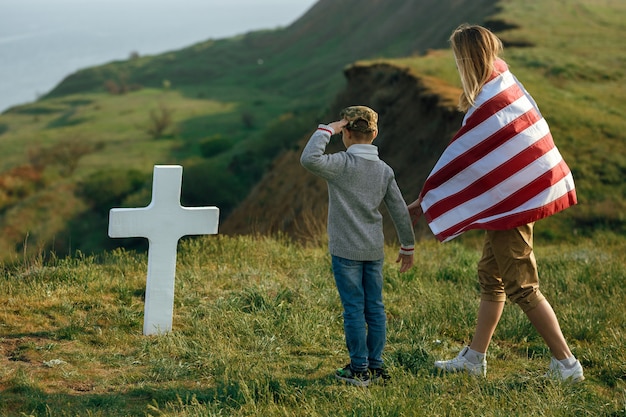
[43, 41]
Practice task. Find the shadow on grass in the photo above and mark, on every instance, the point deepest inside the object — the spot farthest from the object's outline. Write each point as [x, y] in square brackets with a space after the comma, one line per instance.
[223, 397]
[412, 359]
[66, 119]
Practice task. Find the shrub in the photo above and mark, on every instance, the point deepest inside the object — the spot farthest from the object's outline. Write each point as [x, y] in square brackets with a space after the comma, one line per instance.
[19, 183]
[208, 184]
[121, 85]
[112, 87]
[66, 154]
[281, 135]
[160, 121]
[107, 188]
[247, 119]
[214, 146]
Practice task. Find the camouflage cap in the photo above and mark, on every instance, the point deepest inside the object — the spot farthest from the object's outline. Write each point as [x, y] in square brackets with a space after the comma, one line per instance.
[360, 118]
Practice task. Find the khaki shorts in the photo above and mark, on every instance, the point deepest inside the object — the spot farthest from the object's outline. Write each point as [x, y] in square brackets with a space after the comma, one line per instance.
[508, 267]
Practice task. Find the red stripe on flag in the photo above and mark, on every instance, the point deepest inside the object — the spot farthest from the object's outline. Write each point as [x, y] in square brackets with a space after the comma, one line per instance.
[508, 222]
[517, 219]
[526, 193]
[476, 153]
[492, 178]
[489, 108]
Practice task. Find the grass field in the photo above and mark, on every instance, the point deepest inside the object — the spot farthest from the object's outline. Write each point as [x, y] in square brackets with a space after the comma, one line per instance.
[258, 332]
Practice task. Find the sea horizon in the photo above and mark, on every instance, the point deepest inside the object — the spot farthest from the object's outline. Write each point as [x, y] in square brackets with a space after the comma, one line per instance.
[42, 43]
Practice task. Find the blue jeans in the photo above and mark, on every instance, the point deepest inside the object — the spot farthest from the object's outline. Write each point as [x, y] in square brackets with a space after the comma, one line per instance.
[360, 286]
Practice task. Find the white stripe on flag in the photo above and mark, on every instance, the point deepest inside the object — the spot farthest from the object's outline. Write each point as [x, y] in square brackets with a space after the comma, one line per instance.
[501, 191]
[483, 130]
[491, 89]
[546, 197]
[488, 163]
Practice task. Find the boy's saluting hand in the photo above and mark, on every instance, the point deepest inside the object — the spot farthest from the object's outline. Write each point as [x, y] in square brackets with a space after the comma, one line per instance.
[338, 125]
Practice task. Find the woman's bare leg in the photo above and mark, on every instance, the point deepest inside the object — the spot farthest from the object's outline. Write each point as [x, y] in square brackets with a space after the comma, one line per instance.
[489, 314]
[547, 325]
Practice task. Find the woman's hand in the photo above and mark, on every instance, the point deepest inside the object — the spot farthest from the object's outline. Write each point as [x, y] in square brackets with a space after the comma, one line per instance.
[415, 210]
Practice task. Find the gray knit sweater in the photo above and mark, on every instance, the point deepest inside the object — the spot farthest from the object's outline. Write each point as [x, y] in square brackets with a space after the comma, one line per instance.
[358, 182]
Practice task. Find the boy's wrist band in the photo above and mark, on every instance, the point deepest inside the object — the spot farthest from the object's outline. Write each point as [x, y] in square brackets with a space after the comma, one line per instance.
[406, 251]
[326, 128]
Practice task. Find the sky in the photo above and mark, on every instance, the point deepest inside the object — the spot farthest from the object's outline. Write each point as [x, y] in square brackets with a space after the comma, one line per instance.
[43, 41]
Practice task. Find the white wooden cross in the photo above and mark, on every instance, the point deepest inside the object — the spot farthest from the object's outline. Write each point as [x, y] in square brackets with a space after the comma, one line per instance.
[163, 222]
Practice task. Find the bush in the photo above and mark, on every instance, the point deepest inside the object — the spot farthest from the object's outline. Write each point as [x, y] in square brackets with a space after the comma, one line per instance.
[214, 145]
[208, 184]
[121, 85]
[281, 135]
[18, 183]
[105, 189]
[160, 121]
[66, 154]
[247, 118]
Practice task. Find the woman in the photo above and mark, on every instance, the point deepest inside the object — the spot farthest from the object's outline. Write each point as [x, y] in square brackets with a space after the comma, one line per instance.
[501, 172]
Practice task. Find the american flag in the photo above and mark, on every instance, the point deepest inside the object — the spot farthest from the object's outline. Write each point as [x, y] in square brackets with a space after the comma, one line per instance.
[501, 169]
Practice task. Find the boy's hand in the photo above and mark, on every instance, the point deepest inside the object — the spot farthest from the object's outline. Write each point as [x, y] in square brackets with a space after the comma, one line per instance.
[406, 262]
[338, 125]
[415, 210]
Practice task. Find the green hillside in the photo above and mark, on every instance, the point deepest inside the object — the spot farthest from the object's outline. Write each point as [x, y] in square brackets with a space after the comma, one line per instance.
[573, 64]
[226, 109]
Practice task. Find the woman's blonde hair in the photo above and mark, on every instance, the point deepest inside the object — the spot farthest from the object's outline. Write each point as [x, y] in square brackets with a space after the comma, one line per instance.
[475, 49]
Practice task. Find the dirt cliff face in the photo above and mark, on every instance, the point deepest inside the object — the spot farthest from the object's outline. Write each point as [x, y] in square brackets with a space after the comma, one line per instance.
[417, 119]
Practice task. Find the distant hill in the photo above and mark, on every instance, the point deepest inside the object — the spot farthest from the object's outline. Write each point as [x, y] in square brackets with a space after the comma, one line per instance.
[303, 60]
[235, 113]
[227, 108]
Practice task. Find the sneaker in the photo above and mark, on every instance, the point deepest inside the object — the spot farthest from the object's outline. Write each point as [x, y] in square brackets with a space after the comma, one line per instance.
[350, 376]
[460, 363]
[379, 375]
[558, 371]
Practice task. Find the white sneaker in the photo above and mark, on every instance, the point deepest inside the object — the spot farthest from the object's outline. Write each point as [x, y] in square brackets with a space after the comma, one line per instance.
[461, 364]
[558, 371]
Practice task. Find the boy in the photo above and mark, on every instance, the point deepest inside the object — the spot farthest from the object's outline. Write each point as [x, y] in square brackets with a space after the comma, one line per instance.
[358, 182]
